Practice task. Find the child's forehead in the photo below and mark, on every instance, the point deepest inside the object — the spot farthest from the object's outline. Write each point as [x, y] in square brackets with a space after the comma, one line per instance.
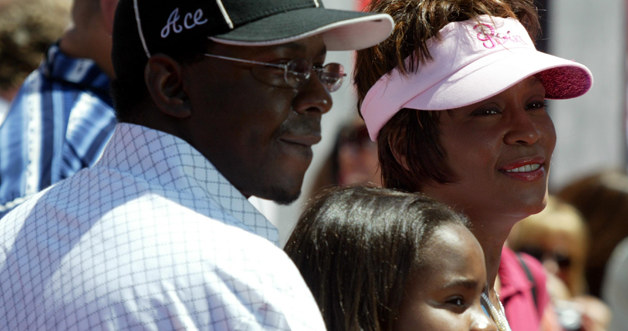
[452, 232]
[451, 242]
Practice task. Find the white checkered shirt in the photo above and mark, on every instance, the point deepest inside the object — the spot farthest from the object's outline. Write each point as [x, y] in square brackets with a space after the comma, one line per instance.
[150, 238]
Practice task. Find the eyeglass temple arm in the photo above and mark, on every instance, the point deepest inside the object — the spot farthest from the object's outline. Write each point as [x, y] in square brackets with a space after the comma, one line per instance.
[274, 65]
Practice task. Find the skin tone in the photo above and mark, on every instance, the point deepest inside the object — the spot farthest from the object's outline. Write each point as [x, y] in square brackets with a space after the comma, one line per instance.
[255, 130]
[499, 150]
[445, 293]
[90, 34]
[9, 94]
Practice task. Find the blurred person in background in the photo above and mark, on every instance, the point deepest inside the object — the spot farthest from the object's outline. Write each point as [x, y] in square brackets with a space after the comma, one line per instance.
[352, 161]
[558, 237]
[356, 156]
[62, 116]
[615, 286]
[602, 199]
[27, 28]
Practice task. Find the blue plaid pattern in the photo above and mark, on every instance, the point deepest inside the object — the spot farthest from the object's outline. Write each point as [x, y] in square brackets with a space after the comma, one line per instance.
[59, 123]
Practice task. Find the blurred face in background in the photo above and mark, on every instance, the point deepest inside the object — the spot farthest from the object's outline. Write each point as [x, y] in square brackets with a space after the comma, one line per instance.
[558, 238]
[357, 157]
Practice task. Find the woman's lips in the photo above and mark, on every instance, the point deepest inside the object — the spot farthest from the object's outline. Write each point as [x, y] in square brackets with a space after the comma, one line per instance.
[528, 170]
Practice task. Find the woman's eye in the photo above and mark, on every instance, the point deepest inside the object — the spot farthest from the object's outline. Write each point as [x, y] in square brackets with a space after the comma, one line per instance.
[486, 111]
[537, 105]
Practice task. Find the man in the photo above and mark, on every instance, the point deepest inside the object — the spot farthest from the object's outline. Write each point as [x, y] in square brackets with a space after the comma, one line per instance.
[218, 101]
[62, 117]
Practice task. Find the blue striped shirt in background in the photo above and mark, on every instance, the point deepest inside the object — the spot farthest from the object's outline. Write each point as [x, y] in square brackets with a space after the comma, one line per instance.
[59, 123]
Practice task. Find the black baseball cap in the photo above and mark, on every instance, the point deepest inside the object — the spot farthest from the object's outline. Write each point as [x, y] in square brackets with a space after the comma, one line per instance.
[161, 25]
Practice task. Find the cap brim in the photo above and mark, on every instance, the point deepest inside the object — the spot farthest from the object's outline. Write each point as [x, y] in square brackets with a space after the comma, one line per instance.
[341, 30]
[497, 72]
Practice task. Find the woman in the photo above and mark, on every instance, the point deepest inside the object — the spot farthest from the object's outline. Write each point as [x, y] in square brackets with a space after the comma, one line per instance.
[382, 260]
[455, 98]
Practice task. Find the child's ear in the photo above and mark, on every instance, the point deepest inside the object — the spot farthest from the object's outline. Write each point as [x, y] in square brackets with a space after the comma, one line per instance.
[163, 76]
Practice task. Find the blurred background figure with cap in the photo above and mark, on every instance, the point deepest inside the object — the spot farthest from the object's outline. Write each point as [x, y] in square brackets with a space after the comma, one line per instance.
[460, 76]
[62, 115]
[216, 101]
[559, 238]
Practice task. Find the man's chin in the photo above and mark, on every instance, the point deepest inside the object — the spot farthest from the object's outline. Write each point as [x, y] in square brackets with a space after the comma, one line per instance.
[281, 196]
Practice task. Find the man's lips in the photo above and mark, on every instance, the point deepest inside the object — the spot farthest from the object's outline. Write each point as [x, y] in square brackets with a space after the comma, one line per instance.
[306, 140]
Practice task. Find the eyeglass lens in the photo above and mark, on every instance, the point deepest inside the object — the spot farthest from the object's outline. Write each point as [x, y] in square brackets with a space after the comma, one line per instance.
[298, 72]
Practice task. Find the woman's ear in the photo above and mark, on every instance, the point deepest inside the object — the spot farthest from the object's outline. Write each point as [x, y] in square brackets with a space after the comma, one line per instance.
[164, 81]
[396, 144]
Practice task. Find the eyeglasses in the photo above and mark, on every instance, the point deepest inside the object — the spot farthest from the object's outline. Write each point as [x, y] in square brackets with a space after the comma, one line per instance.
[296, 73]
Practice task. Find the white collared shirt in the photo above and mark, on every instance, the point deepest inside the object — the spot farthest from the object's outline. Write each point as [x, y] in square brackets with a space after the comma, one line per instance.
[152, 237]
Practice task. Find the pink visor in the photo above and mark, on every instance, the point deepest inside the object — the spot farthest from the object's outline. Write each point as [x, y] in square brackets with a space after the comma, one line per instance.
[472, 61]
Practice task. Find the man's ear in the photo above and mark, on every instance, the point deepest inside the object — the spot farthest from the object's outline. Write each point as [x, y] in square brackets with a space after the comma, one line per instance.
[164, 81]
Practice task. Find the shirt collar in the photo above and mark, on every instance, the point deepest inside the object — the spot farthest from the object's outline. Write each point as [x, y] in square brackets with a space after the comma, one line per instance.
[171, 163]
[83, 72]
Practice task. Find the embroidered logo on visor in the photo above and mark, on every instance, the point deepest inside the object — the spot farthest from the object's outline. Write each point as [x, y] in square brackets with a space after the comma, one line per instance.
[491, 38]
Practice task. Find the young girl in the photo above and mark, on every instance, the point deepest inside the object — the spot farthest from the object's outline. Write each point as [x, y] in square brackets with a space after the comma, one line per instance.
[378, 259]
[455, 99]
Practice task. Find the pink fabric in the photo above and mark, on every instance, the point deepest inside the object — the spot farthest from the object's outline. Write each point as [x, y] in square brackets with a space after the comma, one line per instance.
[472, 62]
[516, 295]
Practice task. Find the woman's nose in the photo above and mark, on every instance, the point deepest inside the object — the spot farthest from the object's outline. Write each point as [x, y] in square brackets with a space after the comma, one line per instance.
[523, 129]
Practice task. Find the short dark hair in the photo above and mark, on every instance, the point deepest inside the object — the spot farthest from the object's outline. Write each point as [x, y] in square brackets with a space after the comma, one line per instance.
[356, 248]
[415, 135]
[416, 22]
